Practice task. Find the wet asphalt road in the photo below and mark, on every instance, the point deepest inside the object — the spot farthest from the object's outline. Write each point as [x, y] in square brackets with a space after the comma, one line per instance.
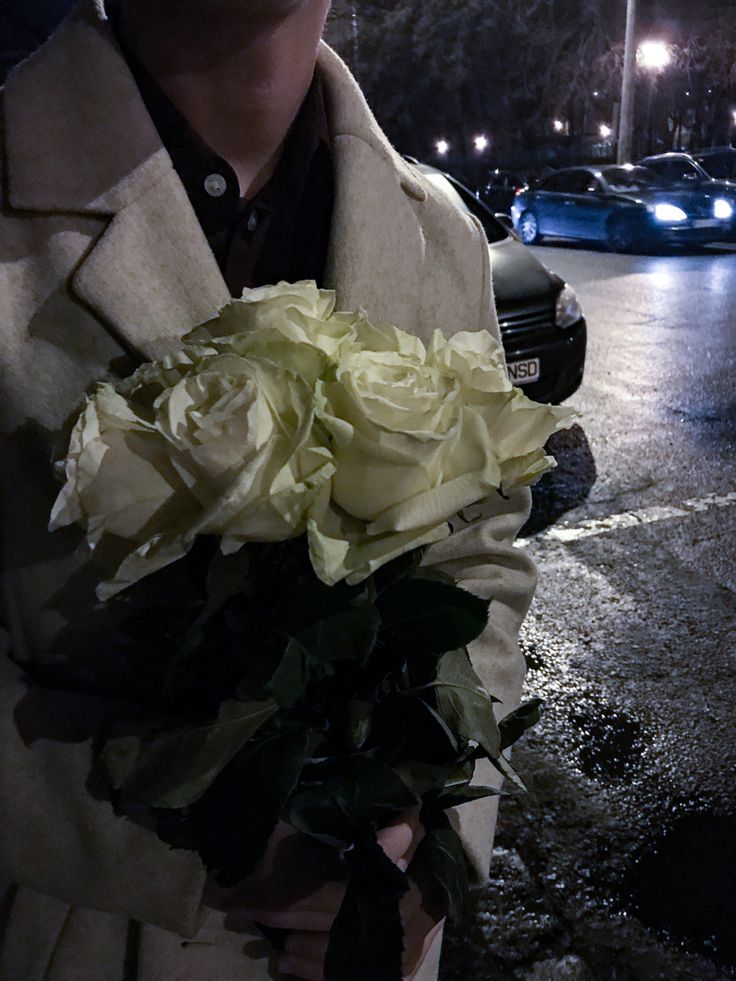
[620, 862]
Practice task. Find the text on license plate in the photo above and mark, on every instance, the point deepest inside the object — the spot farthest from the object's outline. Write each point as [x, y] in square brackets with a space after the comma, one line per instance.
[524, 372]
[707, 223]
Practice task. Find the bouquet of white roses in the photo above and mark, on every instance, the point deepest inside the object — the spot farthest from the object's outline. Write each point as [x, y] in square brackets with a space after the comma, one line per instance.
[272, 484]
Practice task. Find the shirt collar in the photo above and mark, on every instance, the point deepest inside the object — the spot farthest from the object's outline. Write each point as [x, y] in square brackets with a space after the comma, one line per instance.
[195, 161]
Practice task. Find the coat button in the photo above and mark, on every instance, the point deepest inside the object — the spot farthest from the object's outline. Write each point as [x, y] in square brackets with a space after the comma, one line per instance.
[215, 185]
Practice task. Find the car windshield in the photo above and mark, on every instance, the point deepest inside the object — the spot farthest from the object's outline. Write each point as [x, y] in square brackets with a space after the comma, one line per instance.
[631, 179]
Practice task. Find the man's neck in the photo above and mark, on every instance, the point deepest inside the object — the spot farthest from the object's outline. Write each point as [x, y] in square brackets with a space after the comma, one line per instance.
[239, 80]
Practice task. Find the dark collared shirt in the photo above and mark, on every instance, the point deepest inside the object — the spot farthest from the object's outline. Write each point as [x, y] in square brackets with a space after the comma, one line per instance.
[282, 232]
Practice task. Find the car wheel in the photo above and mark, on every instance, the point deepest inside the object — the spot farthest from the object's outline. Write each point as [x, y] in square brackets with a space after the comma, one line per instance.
[529, 228]
[624, 234]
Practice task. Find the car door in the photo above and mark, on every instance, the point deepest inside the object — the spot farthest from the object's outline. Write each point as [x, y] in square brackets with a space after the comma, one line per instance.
[550, 203]
[579, 205]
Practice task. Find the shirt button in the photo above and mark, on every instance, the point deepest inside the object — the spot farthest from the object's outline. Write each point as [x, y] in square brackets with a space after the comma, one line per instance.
[215, 185]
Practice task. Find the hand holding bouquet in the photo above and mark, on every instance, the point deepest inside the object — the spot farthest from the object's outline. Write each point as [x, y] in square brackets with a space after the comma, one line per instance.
[272, 485]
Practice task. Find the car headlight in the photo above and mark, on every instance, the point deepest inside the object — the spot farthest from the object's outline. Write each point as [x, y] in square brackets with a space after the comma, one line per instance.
[669, 212]
[568, 310]
[722, 208]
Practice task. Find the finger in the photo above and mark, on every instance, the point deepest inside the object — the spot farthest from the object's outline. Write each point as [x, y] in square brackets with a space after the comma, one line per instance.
[401, 837]
[306, 946]
[299, 968]
[315, 911]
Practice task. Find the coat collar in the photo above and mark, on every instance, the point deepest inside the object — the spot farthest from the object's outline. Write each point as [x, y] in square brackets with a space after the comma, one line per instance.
[79, 141]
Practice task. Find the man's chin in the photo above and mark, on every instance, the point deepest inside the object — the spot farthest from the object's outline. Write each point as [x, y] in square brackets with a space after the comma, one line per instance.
[257, 8]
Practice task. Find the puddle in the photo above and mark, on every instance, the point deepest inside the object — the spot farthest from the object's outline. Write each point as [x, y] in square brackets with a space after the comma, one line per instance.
[684, 886]
[532, 656]
[612, 743]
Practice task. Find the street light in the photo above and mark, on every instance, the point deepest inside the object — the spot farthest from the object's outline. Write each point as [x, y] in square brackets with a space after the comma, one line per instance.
[481, 143]
[558, 125]
[654, 55]
[442, 147]
[605, 131]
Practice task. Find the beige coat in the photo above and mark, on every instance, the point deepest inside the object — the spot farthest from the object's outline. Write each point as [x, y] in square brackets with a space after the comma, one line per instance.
[102, 259]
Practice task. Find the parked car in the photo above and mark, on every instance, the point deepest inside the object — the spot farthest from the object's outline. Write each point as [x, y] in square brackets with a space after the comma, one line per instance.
[626, 207]
[717, 161]
[500, 189]
[683, 171]
[542, 326]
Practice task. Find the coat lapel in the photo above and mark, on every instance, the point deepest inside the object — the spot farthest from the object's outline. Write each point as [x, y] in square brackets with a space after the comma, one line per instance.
[377, 247]
[80, 141]
[151, 275]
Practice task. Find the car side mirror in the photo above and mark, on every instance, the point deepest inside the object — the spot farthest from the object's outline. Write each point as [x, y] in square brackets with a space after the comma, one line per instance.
[505, 220]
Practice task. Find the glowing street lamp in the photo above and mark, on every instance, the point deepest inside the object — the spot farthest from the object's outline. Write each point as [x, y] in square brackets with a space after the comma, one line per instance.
[654, 55]
[558, 125]
[481, 143]
[605, 131]
[442, 147]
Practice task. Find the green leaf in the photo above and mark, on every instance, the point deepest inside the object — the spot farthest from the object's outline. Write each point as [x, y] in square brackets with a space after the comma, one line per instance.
[234, 819]
[349, 634]
[464, 703]
[359, 791]
[425, 777]
[516, 723]
[368, 789]
[360, 715]
[227, 576]
[471, 793]
[366, 939]
[314, 811]
[430, 616]
[173, 769]
[440, 859]
[406, 724]
[289, 678]
[503, 766]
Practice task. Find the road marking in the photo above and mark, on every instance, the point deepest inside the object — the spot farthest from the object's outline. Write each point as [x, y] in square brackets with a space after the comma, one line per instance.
[630, 519]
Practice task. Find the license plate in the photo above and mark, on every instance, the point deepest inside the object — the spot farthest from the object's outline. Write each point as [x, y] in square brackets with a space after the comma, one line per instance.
[524, 372]
[707, 223]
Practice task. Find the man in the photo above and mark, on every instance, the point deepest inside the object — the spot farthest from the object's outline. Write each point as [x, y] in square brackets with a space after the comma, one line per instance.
[158, 156]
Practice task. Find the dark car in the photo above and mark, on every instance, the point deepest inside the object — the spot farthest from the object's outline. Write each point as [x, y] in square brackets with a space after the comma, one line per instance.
[542, 326]
[682, 170]
[626, 207]
[717, 161]
[500, 189]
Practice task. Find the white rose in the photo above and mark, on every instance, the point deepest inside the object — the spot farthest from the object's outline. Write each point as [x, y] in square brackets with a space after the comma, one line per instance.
[418, 436]
[518, 426]
[409, 453]
[299, 314]
[199, 444]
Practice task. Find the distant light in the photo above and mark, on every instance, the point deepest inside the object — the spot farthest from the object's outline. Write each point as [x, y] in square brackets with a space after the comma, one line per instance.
[654, 55]
[687, 93]
[442, 147]
[605, 131]
[558, 125]
[734, 117]
[481, 143]
[595, 94]
[628, 166]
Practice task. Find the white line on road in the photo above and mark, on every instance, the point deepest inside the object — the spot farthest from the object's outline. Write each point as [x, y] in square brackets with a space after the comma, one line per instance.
[630, 519]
